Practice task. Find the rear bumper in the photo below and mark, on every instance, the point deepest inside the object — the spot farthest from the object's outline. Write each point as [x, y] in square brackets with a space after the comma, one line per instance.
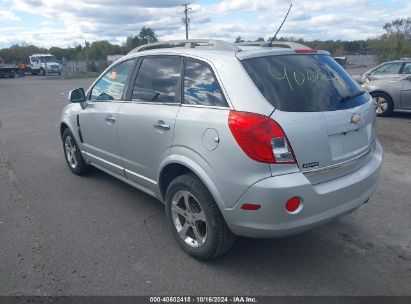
[321, 203]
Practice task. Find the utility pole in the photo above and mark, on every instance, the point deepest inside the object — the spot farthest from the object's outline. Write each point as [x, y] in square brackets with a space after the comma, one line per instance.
[186, 20]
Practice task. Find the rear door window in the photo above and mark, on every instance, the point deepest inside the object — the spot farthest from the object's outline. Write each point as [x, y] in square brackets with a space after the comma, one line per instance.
[304, 83]
[407, 68]
[158, 80]
[201, 86]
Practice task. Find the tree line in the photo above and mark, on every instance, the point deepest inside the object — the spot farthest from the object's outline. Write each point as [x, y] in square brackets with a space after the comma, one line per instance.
[395, 43]
[94, 51]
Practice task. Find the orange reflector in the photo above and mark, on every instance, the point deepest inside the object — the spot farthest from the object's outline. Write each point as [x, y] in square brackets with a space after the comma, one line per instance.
[250, 207]
[293, 204]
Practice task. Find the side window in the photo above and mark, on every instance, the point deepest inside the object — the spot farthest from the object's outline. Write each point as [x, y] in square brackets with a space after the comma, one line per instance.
[407, 68]
[389, 68]
[111, 85]
[200, 86]
[158, 80]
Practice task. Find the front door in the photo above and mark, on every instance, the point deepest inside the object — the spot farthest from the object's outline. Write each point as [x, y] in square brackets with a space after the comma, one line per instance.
[146, 124]
[99, 120]
[406, 94]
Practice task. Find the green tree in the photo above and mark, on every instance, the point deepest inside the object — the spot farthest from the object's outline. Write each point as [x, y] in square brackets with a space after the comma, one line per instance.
[148, 35]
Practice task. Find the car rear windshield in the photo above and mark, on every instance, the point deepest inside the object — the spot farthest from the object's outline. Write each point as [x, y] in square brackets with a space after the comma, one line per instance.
[304, 83]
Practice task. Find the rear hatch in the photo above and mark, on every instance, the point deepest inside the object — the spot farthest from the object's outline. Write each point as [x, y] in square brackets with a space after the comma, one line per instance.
[327, 117]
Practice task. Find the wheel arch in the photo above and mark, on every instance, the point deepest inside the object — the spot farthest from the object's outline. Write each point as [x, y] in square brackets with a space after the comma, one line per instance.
[63, 127]
[177, 165]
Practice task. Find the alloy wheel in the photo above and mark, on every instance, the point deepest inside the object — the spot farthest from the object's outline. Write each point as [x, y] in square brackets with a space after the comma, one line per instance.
[381, 104]
[189, 218]
[70, 151]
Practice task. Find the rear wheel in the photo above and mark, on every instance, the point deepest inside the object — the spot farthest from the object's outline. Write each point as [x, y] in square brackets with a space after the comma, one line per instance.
[195, 220]
[72, 154]
[383, 103]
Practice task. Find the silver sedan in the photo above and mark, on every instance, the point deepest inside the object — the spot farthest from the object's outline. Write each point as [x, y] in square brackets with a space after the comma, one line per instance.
[390, 94]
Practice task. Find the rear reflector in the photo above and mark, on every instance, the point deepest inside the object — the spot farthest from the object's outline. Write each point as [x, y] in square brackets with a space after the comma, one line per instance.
[293, 204]
[250, 207]
[306, 51]
[260, 137]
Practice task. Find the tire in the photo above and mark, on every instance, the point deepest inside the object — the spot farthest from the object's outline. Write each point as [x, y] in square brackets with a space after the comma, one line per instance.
[213, 236]
[42, 72]
[383, 103]
[72, 154]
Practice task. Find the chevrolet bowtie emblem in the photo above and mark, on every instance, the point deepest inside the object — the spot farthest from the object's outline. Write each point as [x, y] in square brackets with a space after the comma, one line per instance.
[355, 118]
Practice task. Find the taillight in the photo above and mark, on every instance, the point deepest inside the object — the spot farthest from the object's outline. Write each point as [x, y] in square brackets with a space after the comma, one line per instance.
[260, 137]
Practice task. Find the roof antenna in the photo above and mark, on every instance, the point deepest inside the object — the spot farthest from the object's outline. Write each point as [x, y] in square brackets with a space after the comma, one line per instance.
[270, 44]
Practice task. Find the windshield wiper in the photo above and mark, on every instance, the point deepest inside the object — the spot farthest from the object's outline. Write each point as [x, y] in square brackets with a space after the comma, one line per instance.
[349, 97]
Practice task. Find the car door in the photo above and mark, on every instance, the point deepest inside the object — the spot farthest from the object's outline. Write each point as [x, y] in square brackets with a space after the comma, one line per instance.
[406, 93]
[98, 121]
[146, 124]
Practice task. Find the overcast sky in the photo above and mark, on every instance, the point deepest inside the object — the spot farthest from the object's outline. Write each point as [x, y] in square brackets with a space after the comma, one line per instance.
[70, 22]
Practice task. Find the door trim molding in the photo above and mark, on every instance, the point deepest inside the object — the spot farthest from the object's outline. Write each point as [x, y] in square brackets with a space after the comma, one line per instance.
[119, 167]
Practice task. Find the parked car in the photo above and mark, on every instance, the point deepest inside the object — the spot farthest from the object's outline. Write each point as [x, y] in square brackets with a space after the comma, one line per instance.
[342, 61]
[390, 94]
[254, 142]
[388, 70]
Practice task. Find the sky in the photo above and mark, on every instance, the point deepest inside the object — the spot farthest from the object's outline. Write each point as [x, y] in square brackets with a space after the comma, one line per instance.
[66, 23]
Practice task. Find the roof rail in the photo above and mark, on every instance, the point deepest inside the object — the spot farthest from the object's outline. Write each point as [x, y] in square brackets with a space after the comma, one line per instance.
[278, 44]
[189, 43]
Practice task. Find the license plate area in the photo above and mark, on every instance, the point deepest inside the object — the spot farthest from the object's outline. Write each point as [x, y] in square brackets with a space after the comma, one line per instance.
[348, 144]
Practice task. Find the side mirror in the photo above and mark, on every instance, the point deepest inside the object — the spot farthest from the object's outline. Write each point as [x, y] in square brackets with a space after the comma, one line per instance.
[77, 95]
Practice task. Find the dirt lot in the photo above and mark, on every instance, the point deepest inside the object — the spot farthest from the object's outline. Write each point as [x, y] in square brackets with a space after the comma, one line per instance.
[61, 234]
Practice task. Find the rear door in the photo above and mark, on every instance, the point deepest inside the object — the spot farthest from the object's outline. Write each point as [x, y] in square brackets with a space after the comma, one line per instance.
[146, 124]
[98, 121]
[406, 93]
[327, 117]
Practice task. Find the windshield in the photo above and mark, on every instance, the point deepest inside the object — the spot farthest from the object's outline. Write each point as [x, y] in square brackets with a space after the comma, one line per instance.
[304, 83]
[47, 59]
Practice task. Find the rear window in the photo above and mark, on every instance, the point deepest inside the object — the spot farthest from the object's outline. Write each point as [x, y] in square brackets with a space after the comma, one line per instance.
[304, 83]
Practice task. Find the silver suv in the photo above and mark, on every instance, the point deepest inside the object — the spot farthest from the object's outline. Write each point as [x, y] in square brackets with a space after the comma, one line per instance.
[234, 140]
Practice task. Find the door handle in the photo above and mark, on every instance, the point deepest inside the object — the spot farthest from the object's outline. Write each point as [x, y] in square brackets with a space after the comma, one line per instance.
[110, 118]
[161, 125]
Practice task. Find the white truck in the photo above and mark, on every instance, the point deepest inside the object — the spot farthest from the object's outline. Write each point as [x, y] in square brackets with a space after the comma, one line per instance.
[44, 64]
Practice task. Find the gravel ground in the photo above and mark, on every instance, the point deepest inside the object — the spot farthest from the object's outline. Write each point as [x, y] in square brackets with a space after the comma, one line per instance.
[62, 234]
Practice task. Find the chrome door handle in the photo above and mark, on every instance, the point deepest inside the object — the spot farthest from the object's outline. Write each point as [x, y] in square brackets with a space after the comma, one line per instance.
[110, 118]
[161, 125]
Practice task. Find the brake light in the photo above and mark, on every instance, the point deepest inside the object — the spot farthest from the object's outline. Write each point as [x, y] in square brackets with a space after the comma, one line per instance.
[261, 138]
[305, 51]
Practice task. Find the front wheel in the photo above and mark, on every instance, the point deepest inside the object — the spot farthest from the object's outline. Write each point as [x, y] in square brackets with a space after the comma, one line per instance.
[383, 103]
[72, 154]
[195, 220]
